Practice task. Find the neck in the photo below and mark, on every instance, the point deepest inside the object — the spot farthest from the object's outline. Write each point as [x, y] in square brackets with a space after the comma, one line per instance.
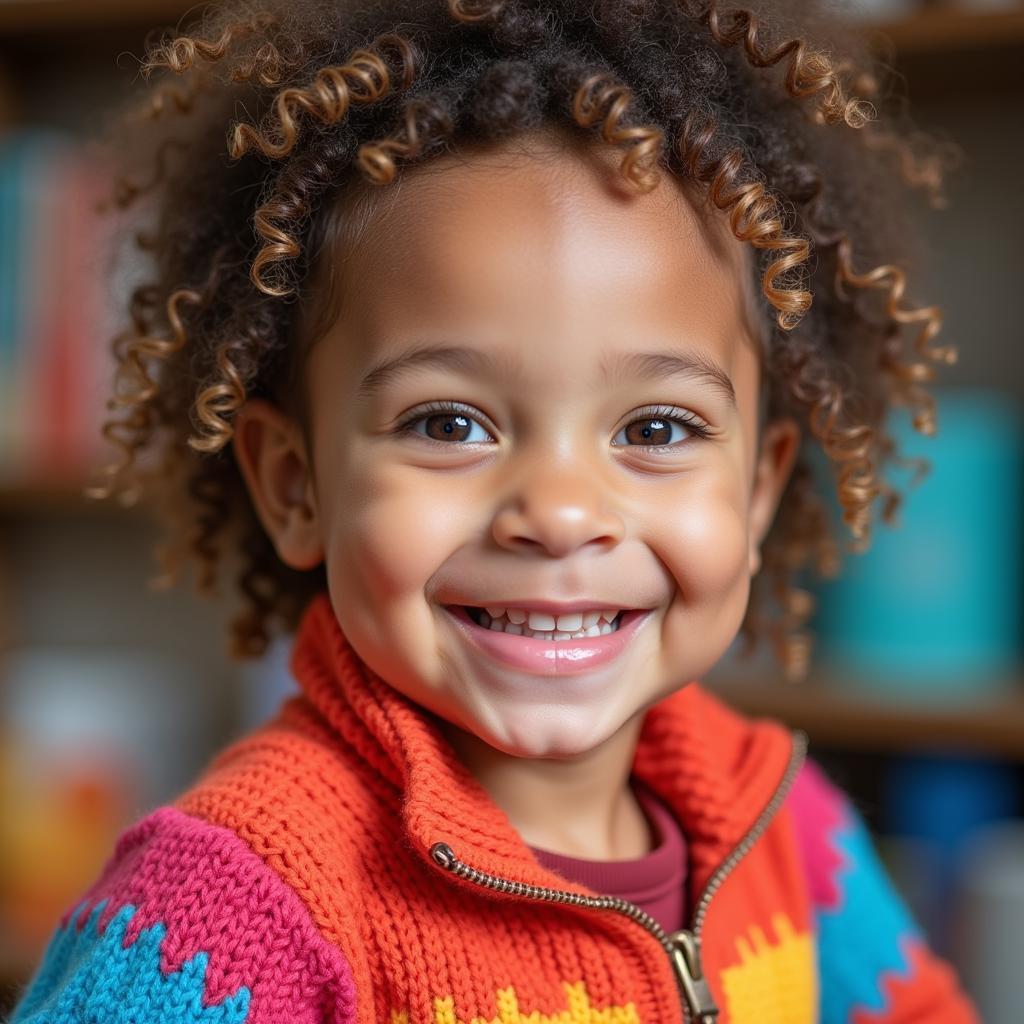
[578, 807]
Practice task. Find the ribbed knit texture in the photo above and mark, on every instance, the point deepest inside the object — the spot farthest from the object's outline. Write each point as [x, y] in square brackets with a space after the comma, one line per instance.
[186, 924]
[298, 870]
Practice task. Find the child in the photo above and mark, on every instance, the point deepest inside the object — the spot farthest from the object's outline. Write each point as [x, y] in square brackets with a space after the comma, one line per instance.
[506, 312]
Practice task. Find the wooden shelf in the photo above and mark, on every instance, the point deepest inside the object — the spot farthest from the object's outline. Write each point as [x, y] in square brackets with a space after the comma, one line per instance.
[62, 15]
[934, 31]
[837, 716]
[949, 31]
[56, 497]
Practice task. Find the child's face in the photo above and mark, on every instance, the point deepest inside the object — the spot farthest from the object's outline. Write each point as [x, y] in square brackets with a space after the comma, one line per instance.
[543, 271]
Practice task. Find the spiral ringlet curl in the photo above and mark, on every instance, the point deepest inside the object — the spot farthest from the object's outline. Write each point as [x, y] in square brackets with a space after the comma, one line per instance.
[317, 99]
[861, 447]
[601, 100]
[181, 53]
[809, 72]
[364, 78]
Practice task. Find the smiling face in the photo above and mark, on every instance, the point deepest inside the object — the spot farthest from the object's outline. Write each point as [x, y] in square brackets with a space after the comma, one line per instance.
[587, 437]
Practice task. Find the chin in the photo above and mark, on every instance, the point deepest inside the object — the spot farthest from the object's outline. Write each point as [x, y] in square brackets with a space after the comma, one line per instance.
[552, 738]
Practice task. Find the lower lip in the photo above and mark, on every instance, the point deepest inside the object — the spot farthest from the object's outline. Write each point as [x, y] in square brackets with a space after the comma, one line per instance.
[551, 657]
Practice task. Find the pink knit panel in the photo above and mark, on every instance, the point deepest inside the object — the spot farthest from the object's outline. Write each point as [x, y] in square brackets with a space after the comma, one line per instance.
[214, 895]
[817, 813]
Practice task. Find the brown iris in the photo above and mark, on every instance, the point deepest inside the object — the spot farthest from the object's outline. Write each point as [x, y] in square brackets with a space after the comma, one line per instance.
[647, 433]
[450, 425]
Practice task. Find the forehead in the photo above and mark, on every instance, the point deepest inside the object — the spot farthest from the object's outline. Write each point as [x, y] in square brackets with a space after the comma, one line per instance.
[537, 245]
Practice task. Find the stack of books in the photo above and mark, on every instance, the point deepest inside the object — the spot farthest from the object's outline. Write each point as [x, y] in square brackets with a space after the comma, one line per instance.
[56, 309]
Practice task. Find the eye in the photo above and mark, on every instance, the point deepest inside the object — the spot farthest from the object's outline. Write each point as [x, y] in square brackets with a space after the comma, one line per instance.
[444, 422]
[451, 423]
[654, 428]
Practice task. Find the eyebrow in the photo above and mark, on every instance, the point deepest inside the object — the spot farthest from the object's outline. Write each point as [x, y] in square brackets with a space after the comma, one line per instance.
[696, 365]
[443, 357]
[650, 365]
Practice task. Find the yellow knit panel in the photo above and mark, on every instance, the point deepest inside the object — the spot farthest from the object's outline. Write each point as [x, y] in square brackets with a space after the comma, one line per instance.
[579, 1010]
[775, 983]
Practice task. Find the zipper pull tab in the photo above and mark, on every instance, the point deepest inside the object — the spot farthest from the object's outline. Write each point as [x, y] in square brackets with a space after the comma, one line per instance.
[685, 952]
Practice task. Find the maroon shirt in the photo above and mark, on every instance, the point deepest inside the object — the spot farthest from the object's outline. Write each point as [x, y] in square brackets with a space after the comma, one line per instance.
[655, 882]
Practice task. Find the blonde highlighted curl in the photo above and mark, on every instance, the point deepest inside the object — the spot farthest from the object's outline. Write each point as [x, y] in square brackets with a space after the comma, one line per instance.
[257, 122]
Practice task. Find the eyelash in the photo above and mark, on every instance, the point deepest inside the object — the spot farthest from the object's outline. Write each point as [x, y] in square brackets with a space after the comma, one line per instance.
[697, 426]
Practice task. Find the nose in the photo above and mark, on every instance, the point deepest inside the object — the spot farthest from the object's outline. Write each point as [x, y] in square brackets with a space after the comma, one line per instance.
[556, 512]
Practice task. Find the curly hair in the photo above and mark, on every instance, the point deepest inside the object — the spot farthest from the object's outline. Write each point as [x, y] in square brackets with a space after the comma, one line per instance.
[776, 118]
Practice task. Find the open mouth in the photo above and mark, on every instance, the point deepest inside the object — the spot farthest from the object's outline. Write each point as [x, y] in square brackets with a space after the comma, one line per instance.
[597, 639]
[581, 626]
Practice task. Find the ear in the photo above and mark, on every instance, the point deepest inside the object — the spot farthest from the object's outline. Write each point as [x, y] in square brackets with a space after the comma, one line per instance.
[272, 457]
[780, 443]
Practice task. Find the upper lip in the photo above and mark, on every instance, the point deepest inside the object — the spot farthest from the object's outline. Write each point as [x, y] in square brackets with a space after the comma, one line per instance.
[542, 605]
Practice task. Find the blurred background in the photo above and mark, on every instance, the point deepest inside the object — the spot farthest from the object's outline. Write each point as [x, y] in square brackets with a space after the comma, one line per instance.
[112, 695]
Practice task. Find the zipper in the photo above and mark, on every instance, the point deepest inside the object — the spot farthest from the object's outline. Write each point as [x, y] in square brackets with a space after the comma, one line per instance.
[683, 946]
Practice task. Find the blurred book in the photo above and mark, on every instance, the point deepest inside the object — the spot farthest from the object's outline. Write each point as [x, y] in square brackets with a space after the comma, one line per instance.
[990, 920]
[55, 324]
[934, 608]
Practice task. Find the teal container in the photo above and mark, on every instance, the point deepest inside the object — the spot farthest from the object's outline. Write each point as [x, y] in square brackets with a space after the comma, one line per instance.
[934, 607]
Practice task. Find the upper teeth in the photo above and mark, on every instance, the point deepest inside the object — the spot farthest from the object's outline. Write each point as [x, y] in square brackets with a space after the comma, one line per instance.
[568, 623]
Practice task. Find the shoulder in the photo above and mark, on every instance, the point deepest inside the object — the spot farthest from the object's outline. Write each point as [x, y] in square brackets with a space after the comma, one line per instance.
[298, 795]
[186, 923]
[823, 817]
[293, 769]
[873, 956]
[844, 873]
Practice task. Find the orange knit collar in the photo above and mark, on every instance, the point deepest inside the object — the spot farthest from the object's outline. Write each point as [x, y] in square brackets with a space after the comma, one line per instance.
[716, 769]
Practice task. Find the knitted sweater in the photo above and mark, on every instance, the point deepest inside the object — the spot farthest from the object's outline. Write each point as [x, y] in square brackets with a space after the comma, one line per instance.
[341, 864]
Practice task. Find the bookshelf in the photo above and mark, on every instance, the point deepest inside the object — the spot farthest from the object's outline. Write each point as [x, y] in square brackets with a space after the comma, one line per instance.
[988, 48]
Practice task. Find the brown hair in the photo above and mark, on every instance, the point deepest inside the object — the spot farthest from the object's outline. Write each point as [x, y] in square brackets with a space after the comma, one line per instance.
[777, 117]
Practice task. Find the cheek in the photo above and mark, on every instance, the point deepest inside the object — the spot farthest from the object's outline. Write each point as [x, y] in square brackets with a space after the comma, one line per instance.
[703, 540]
[704, 546]
[390, 530]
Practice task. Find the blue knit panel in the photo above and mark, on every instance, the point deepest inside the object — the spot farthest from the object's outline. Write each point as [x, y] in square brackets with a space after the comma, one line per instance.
[88, 978]
[862, 937]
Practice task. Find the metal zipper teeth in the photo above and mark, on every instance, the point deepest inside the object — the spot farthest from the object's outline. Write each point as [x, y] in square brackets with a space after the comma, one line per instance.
[796, 760]
[443, 855]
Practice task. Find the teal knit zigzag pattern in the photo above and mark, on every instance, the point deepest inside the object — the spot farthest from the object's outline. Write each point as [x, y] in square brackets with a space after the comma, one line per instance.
[86, 977]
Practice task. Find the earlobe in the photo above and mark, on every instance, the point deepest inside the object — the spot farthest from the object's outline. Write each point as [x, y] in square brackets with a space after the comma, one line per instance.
[755, 559]
[271, 456]
[780, 444]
